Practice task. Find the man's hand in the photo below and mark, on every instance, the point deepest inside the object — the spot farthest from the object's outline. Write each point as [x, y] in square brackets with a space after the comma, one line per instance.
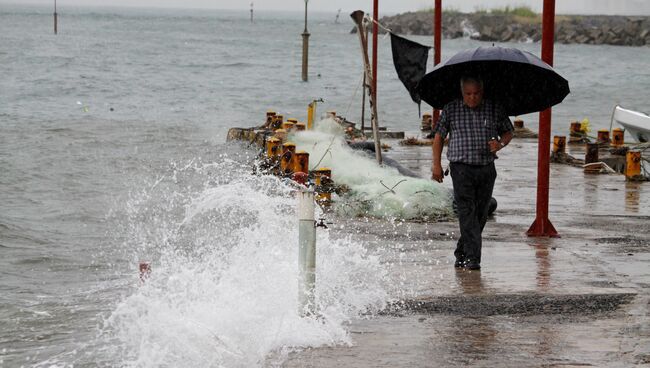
[495, 145]
[436, 173]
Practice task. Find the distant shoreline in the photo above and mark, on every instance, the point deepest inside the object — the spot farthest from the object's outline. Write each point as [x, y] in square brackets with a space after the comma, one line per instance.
[569, 29]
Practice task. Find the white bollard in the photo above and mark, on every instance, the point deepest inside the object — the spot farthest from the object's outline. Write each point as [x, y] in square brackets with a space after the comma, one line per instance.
[307, 253]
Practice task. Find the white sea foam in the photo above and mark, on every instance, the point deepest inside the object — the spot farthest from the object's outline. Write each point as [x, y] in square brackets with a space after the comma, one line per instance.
[223, 291]
[379, 191]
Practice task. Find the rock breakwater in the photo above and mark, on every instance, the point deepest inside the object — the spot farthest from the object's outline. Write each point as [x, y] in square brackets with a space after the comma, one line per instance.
[581, 29]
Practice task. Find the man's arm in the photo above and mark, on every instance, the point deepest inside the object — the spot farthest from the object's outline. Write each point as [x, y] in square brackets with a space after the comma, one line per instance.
[436, 167]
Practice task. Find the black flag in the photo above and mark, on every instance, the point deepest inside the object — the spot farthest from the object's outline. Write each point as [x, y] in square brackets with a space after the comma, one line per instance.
[410, 59]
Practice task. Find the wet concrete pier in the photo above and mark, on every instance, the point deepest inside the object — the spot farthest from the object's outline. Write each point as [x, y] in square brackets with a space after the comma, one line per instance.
[575, 301]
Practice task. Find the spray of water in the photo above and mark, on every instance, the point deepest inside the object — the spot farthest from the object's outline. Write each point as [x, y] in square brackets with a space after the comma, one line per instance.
[223, 292]
[378, 191]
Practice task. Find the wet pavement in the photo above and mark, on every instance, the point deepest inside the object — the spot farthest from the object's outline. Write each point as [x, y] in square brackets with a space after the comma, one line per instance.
[579, 300]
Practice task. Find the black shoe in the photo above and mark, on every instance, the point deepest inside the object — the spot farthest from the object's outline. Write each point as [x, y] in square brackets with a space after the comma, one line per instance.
[460, 263]
[472, 265]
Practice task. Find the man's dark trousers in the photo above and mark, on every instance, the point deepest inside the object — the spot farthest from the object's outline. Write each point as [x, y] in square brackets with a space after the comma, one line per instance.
[473, 186]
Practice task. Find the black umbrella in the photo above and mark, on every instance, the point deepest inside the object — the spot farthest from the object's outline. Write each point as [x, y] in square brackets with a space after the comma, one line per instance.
[518, 80]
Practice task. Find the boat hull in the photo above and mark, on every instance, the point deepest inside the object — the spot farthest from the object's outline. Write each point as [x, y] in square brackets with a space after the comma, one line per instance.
[637, 124]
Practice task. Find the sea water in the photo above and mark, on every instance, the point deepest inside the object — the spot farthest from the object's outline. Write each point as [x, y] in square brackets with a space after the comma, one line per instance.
[112, 152]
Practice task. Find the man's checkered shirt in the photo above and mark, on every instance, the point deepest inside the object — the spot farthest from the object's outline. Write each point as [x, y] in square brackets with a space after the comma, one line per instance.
[470, 130]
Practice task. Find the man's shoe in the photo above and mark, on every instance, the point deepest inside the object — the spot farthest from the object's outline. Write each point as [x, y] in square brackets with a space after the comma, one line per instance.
[460, 262]
[472, 265]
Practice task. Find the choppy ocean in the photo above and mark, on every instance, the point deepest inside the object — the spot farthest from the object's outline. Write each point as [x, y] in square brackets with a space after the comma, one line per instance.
[112, 151]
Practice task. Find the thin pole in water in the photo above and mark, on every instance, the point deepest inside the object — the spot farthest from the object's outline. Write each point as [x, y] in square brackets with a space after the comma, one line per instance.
[55, 20]
[305, 47]
[251, 12]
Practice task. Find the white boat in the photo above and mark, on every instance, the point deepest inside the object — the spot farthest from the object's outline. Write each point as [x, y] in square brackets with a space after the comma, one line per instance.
[637, 124]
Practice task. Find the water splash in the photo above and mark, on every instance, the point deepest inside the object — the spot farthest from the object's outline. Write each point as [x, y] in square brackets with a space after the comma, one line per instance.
[223, 291]
[378, 191]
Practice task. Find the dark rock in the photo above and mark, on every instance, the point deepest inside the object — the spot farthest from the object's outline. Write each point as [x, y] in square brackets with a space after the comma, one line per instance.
[596, 29]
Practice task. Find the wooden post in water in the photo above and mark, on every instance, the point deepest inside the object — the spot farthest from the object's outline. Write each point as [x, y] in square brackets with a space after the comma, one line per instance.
[357, 17]
[251, 12]
[305, 47]
[55, 19]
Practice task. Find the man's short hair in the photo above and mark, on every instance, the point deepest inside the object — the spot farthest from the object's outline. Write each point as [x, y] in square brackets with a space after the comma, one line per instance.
[470, 79]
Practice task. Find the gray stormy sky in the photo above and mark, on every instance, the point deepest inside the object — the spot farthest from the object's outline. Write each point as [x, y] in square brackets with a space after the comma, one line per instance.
[629, 7]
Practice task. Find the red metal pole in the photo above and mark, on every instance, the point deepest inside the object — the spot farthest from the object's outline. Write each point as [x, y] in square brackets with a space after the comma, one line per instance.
[542, 226]
[375, 31]
[437, 41]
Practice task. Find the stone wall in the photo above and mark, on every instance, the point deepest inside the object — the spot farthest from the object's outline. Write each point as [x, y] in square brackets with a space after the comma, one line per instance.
[595, 30]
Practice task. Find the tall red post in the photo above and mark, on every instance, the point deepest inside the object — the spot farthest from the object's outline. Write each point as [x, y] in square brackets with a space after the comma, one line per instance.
[375, 31]
[542, 226]
[437, 43]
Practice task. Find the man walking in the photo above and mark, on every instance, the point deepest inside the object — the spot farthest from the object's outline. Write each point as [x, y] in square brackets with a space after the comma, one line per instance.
[477, 129]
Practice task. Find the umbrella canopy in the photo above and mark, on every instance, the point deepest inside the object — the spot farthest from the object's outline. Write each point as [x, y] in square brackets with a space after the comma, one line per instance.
[520, 81]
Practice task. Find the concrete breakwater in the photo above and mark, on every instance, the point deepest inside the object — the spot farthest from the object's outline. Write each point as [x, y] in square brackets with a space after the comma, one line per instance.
[584, 29]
